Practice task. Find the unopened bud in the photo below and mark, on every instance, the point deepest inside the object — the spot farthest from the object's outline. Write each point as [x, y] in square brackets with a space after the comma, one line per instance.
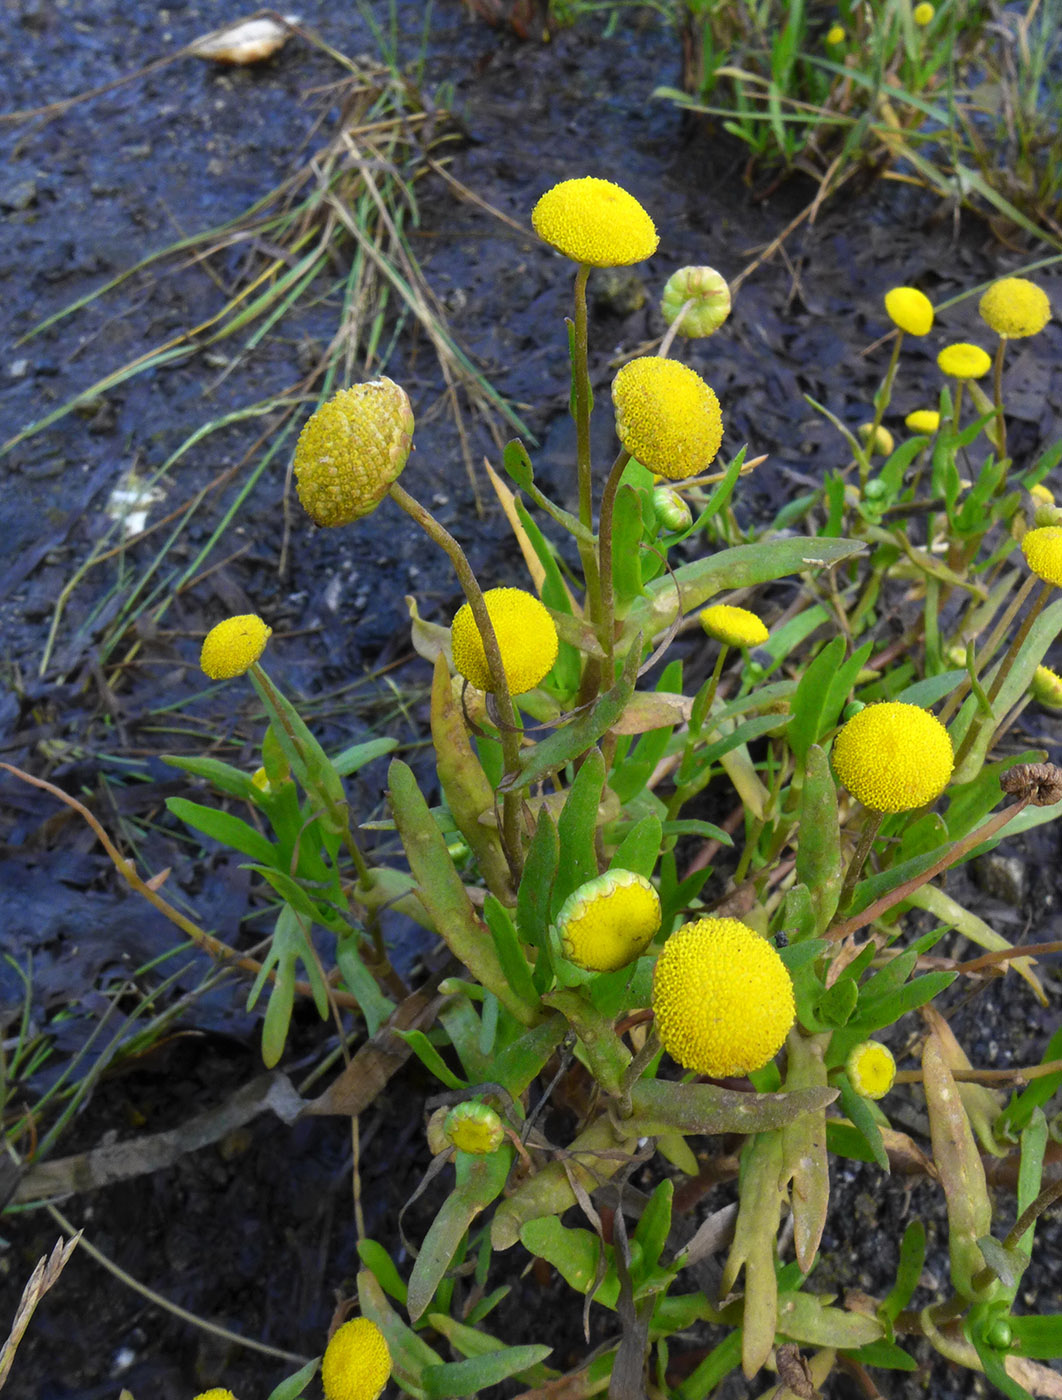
[1046, 687]
[1046, 514]
[881, 442]
[671, 509]
[351, 450]
[708, 292]
[475, 1128]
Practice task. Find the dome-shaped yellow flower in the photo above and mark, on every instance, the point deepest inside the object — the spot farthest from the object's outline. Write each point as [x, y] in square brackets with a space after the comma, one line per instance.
[1046, 687]
[233, 646]
[909, 309]
[1042, 495]
[923, 420]
[709, 293]
[871, 1069]
[893, 756]
[923, 14]
[667, 417]
[527, 640]
[835, 34]
[722, 998]
[594, 221]
[964, 361]
[357, 1362]
[1043, 552]
[216, 1394]
[474, 1128]
[351, 450]
[736, 627]
[609, 921]
[1015, 307]
[882, 441]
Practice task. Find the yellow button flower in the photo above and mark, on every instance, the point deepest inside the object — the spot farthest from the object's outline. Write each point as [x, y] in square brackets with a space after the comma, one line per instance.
[1015, 307]
[667, 417]
[893, 756]
[871, 1069]
[474, 1128]
[351, 449]
[1046, 687]
[527, 640]
[357, 1362]
[964, 361]
[709, 293]
[1043, 552]
[216, 1394]
[233, 646]
[835, 34]
[1042, 495]
[735, 627]
[909, 309]
[722, 998]
[882, 443]
[609, 921]
[596, 222]
[923, 420]
[923, 14]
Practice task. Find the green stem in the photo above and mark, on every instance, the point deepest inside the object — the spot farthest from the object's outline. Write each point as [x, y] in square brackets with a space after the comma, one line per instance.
[883, 398]
[871, 826]
[581, 385]
[958, 405]
[997, 384]
[991, 646]
[510, 733]
[608, 507]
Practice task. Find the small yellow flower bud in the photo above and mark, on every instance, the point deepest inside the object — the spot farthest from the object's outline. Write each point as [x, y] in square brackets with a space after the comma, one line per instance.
[1047, 515]
[1042, 495]
[893, 757]
[923, 14]
[671, 509]
[356, 1363]
[835, 34]
[871, 1069]
[527, 640]
[735, 627]
[709, 293]
[1043, 553]
[923, 420]
[233, 646]
[596, 222]
[1015, 307]
[1046, 687]
[909, 309]
[882, 443]
[667, 417]
[260, 779]
[351, 450]
[722, 998]
[474, 1128]
[609, 921]
[964, 361]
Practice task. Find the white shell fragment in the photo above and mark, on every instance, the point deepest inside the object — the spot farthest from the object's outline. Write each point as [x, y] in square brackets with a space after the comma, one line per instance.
[250, 41]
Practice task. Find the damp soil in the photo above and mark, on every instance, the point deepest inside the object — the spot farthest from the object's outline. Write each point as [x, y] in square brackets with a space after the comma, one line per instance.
[256, 1232]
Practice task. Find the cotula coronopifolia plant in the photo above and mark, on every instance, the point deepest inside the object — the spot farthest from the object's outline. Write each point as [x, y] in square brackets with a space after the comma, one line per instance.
[590, 953]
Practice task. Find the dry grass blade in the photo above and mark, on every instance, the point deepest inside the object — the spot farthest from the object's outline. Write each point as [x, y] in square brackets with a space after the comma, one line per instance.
[43, 1277]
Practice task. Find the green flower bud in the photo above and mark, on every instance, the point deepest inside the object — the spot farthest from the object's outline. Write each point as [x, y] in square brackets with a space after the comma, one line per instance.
[1000, 1335]
[475, 1128]
[871, 1069]
[710, 295]
[1046, 687]
[671, 509]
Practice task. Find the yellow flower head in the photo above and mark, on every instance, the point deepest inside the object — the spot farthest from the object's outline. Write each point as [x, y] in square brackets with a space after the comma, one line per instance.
[964, 361]
[835, 34]
[596, 222]
[666, 416]
[233, 646]
[923, 420]
[923, 14]
[1046, 687]
[735, 627]
[351, 450]
[609, 921]
[1043, 552]
[1014, 307]
[893, 756]
[871, 1069]
[357, 1363]
[722, 997]
[527, 640]
[1042, 495]
[909, 309]
[216, 1394]
[882, 442]
[709, 293]
[475, 1128]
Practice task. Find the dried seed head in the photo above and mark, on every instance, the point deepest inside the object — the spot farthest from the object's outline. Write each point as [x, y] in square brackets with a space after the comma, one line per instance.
[1041, 783]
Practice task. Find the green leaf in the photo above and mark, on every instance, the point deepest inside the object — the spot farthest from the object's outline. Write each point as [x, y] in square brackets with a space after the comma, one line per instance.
[627, 530]
[640, 848]
[1037, 1336]
[294, 1386]
[652, 1229]
[410, 1353]
[574, 1253]
[456, 1378]
[568, 667]
[818, 863]
[224, 827]
[376, 1258]
[1036, 1094]
[661, 1106]
[517, 463]
[224, 776]
[507, 946]
[473, 1341]
[524, 1058]
[355, 758]
[908, 1270]
[309, 762]
[430, 1058]
[862, 1117]
[534, 897]
[577, 829]
[359, 981]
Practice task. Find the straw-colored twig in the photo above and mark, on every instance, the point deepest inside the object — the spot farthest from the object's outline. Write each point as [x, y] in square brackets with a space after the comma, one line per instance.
[44, 1275]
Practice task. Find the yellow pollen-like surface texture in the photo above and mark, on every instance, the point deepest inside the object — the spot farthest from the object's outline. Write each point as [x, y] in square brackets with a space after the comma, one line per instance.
[871, 1069]
[667, 417]
[1043, 552]
[964, 361]
[351, 450]
[893, 757]
[594, 221]
[527, 640]
[233, 646]
[909, 309]
[722, 997]
[357, 1362]
[1015, 307]
[737, 627]
[609, 921]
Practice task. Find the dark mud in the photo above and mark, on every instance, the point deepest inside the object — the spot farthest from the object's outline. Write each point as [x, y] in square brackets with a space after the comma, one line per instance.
[257, 1232]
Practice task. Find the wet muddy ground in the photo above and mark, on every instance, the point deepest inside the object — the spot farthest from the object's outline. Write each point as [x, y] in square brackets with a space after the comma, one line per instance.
[256, 1232]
